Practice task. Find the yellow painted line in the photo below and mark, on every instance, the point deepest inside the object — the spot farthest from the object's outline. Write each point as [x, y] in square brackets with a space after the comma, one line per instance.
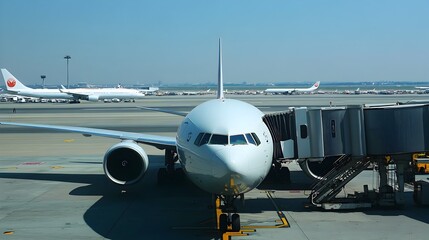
[57, 167]
[68, 140]
[228, 235]
[9, 168]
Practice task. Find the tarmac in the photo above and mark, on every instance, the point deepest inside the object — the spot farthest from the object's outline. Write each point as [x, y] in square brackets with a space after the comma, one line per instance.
[52, 185]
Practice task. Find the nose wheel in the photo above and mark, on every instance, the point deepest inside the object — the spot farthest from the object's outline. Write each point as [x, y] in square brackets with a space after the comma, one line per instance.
[229, 222]
[227, 218]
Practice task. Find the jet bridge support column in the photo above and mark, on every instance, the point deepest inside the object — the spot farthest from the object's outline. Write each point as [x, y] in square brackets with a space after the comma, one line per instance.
[402, 163]
[386, 193]
[400, 169]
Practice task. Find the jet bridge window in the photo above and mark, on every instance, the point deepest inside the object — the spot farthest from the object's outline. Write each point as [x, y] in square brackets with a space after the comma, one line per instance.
[219, 139]
[237, 140]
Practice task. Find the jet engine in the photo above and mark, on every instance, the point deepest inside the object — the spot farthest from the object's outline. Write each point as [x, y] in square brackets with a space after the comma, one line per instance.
[125, 163]
[93, 98]
[319, 168]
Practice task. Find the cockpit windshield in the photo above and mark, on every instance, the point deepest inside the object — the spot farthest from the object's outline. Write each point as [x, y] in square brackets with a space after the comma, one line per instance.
[219, 139]
[237, 140]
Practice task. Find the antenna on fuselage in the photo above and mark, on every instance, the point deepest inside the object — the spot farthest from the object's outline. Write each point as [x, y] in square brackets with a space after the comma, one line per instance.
[220, 74]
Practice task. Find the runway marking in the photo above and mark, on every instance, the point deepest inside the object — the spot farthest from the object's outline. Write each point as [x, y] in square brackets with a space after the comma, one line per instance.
[68, 140]
[57, 167]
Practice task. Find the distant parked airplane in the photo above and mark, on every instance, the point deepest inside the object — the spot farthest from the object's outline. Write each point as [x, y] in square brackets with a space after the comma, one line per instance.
[14, 86]
[293, 90]
[422, 88]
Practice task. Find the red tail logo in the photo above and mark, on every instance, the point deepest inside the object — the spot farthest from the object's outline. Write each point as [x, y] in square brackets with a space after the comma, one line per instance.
[11, 82]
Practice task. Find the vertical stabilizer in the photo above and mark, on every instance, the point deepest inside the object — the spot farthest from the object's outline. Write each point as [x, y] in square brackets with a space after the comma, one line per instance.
[220, 74]
[12, 84]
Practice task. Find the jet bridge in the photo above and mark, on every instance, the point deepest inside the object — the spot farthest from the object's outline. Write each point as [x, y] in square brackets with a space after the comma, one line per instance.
[335, 144]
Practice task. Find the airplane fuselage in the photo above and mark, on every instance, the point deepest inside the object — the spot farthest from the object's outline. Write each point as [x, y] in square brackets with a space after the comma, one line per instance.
[106, 93]
[224, 146]
[43, 93]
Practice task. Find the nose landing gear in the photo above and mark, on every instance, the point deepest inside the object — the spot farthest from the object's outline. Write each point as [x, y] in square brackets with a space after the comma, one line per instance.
[227, 220]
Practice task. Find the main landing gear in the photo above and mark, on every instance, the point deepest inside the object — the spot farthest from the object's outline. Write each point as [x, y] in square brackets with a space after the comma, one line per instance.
[170, 174]
[279, 174]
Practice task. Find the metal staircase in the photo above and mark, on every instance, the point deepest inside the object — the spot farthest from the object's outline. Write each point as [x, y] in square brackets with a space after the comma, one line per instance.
[345, 169]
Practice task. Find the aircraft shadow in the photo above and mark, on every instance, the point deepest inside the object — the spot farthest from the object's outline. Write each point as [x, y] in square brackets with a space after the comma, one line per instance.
[144, 210]
[180, 210]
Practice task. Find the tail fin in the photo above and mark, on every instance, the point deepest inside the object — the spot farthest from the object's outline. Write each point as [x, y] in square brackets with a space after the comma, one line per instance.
[316, 85]
[220, 74]
[11, 82]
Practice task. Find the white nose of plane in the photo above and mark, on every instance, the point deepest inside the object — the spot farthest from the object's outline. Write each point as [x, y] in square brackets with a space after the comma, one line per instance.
[239, 170]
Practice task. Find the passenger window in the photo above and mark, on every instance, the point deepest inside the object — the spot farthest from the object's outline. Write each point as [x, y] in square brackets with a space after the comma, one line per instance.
[205, 139]
[237, 140]
[256, 139]
[250, 139]
[198, 139]
[219, 139]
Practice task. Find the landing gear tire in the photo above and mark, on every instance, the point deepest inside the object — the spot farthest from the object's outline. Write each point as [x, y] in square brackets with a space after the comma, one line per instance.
[235, 222]
[162, 176]
[223, 222]
[284, 175]
[179, 175]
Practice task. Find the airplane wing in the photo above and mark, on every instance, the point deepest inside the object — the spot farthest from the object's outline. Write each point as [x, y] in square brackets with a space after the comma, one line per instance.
[74, 94]
[179, 113]
[154, 140]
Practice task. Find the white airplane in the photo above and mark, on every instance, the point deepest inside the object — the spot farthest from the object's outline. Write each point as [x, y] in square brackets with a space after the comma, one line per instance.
[14, 86]
[95, 94]
[422, 88]
[223, 146]
[293, 90]
[90, 94]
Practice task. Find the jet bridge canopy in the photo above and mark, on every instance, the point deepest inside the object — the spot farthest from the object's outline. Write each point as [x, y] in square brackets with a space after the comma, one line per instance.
[357, 131]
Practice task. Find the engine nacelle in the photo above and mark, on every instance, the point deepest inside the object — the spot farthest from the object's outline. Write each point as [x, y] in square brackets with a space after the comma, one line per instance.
[319, 168]
[125, 163]
[93, 98]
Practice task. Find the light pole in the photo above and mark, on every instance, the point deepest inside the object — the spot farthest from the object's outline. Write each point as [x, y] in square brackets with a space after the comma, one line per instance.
[43, 80]
[67, 58]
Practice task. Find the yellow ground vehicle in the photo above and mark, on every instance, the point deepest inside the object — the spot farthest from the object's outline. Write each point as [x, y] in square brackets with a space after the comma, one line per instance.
[421, 162]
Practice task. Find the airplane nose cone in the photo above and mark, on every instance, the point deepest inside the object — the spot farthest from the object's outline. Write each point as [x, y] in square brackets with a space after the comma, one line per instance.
[239, 171]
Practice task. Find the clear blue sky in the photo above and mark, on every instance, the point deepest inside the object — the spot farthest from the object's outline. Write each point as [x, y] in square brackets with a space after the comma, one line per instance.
[174, 41]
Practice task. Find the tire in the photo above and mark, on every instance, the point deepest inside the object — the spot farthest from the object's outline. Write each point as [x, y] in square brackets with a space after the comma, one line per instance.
[162, 176]
[285, 174]
[223, 222]
[235, 222]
